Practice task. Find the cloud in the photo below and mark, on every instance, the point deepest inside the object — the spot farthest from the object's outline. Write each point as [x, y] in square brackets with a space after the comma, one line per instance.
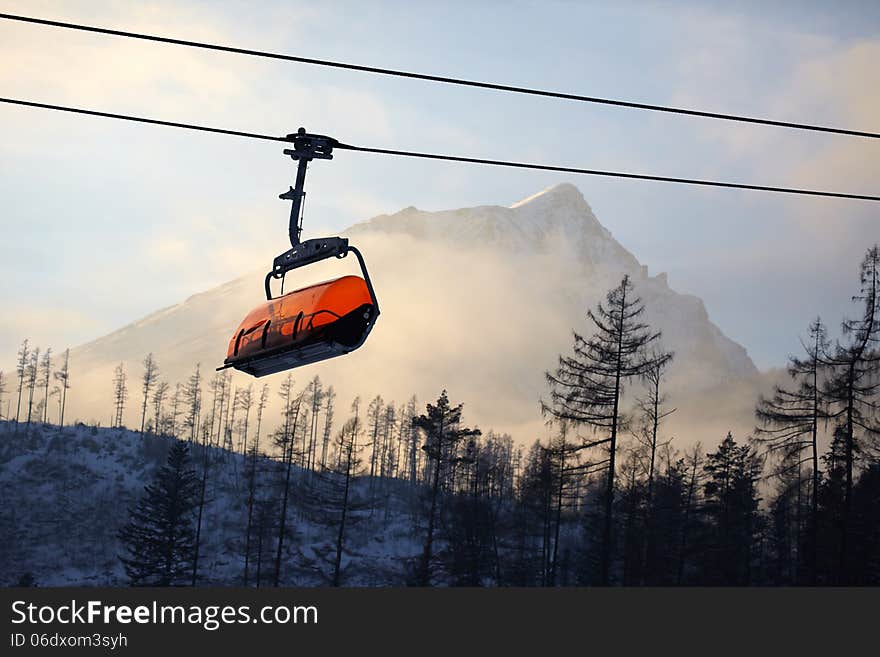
[168, 81]
[845, 87]
[58, 328]
[800, 256]
[171, 250]
[460, 313]
[808, 79]
[208, 207]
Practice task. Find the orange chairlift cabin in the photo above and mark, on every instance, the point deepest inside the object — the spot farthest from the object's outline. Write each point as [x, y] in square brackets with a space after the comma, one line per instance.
[313, 323]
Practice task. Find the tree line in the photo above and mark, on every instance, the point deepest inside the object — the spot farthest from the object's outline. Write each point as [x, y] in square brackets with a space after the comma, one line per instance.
[35, 372]
[608, 500]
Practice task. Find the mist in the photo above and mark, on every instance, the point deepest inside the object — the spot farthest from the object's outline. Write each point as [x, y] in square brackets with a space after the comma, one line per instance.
[479, 302]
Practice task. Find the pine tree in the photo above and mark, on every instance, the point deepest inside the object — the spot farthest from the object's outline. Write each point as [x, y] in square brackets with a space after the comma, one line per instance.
[349, 467]
[203, 489]
[120, 395]
[252, 486]
[854, 384]
[159, 536]
[151, 372]
[261, 407]
[21, 369]
[404, 427]
[693, 464]
[158, 398]
[231, 408]
[441, 425]
[630, 501]
[316, 396]
[537, 495]
[374, 417]
[469, 523]
[62, 376]
[251, 483]
[785, 520]
[2, 392]
[244, 403]
[222, 385]
[790, 422]
[45, 375]
[413, 440]
[329, 397]
[192, 399]
[731, 502]
[652, 412]
[286, 441]
[546, 489]
[229, 416]
[587, 388]
[865, 566]
[668, 516]
[831, 495]
[176, 400]
[389, 422]
[217, 387]
[32, 370]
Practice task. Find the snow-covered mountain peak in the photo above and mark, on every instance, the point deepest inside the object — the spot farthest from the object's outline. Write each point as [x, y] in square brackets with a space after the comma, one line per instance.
[481, 300]
[557, 213]
[557, 196]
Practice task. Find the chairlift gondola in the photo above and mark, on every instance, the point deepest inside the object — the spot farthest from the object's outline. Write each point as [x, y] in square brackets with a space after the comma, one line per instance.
[312, 323]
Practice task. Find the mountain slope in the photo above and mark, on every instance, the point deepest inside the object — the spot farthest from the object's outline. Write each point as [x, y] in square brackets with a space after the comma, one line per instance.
[479, 301]
[68, 493]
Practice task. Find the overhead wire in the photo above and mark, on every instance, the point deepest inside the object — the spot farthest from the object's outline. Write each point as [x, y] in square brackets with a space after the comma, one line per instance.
[445, 157]
[443, 79]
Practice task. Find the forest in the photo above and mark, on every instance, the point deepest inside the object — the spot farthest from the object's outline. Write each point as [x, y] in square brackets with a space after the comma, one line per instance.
[609, 500]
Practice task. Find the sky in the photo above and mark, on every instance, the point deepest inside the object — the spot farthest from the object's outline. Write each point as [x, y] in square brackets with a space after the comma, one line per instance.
[105, 222]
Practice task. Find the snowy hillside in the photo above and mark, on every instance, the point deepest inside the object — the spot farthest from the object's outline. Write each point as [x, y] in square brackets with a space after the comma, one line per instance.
[66, 495]
[479, 301]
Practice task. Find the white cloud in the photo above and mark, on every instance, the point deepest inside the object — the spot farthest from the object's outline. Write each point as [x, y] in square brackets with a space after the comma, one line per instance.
[57, 328]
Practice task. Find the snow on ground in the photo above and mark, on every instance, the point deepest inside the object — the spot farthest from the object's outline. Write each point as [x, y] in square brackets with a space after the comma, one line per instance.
[66, 493]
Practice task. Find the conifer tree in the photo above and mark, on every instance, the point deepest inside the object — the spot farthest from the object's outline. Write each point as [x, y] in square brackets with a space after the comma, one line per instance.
[62, 376]
[731, 502]
[45, 375]
[192, 399]
[693, 464]
[854, 384]
[349, 466]
[389, 422]
[329, 397]
[374, 417]
[32, 370]
[413, 440]
[652, 410]
[2, 392]
[252, 484]
[176, 400]
[21, 368]
[286, 441]
[790, 422]
[158, 398]
[120, 395]
[151, 372]
[441, 425]
[244, 403]
[202, 499]
[587, 387]
[865, 563]
[159, 535]
[316, 396]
